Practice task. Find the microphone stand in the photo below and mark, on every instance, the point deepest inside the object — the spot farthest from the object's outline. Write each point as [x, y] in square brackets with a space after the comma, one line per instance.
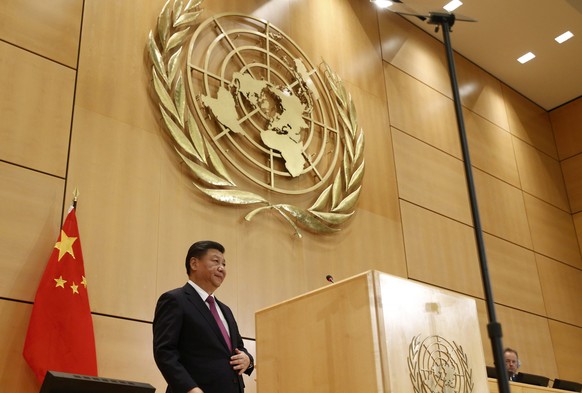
[445, 21]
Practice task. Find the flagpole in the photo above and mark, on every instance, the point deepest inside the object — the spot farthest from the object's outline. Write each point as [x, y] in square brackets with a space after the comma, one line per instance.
[75, 197]
[60, 335]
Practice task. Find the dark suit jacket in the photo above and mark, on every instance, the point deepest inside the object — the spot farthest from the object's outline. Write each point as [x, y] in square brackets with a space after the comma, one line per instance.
[189, 348]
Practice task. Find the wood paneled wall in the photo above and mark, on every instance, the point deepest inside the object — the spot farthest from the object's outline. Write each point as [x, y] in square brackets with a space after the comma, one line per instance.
[76, 111]
[531, 236]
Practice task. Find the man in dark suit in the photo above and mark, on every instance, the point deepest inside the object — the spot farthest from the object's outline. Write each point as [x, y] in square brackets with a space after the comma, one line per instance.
[197, 349]
[512, 364]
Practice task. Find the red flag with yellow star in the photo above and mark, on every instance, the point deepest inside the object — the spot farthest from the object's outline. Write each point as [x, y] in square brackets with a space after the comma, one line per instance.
[60, 332]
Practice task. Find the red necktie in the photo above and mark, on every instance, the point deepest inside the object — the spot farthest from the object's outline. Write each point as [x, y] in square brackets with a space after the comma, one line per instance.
[212, 305]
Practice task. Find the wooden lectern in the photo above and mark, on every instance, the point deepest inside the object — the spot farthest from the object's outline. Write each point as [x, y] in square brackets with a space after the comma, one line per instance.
[371, 333]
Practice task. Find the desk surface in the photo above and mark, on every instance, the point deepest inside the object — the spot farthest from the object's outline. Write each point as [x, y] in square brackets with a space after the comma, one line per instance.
[517, 387]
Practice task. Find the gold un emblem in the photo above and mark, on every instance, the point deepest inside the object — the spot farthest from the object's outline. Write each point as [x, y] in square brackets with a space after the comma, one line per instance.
[234, 91]
[437, 366]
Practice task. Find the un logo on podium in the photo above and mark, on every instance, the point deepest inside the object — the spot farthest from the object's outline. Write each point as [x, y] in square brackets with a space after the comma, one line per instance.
[255, 121]
[437, 366]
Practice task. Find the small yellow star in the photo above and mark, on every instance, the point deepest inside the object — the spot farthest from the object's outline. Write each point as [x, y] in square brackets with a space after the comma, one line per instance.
[60, 282]
[84, 282]
[65, 245]
[75, 288]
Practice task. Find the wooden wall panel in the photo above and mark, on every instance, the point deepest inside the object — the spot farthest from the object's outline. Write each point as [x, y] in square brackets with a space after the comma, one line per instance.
[481, 93]
[422, 57]
[491, 148]
[117, 171]
[501, 209]
[412, 51]
[15, 375]
[35, 108]
[430, 178]
[268, 272]
[530, 335]
[48, 28]
[122, 352]
[30, 207]
[276, 13]
[567, 125]
[440, 251]
[567, 342]
[376, 249]
[514, 276]
[578, 226]
[562, 289]
[552, 231]
[114, 58]
[572, 170]
[529, 122]
[541, 175]
[319, 27]
[432, 123]
[379, 192]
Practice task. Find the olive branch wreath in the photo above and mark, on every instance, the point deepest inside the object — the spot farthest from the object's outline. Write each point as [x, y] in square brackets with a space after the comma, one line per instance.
[465, 365]
[415, 377]
[414, 366]
[335, 204]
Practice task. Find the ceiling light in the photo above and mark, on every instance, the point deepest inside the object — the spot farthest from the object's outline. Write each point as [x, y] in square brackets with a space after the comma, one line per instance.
[525, 58]
[382, 3]
[564, 37]
[453, 5]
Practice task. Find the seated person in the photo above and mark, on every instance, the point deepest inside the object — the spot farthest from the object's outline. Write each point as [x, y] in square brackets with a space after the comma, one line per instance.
[512, 363]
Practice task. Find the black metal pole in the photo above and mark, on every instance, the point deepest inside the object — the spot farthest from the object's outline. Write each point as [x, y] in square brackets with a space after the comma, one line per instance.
[446, 21]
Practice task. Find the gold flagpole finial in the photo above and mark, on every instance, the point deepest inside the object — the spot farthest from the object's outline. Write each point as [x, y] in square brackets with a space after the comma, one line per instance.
[75, 196]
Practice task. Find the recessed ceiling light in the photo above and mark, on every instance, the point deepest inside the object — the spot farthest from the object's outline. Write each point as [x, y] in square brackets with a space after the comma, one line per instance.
[453, 5]
[564, 37]
[527, 57]
[382, 3]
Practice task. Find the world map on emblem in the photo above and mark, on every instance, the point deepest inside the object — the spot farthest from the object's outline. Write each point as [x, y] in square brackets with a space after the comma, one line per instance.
[282, 109]
[263, 104]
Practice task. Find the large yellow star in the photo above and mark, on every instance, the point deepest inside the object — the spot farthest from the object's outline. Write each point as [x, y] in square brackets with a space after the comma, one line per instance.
[75, 288]
[65, 245]
[60, 282]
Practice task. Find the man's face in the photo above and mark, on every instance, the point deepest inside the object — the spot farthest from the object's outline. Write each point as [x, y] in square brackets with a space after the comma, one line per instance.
[208, 271]
[511, 362]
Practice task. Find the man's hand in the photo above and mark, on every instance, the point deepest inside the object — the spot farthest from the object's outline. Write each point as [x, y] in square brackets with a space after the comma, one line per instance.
[240, 361]
[195, 390]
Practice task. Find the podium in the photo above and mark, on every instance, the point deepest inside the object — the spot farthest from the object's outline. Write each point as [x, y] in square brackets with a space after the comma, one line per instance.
[371, 333]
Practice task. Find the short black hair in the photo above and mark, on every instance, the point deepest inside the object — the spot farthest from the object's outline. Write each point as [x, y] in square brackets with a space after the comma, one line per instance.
[199, 249]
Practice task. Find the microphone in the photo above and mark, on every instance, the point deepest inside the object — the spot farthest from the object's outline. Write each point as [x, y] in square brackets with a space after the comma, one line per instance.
[329, 278]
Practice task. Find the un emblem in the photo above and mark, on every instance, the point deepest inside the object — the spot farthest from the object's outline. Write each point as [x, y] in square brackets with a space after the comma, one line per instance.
[236, 93]
[437, 366]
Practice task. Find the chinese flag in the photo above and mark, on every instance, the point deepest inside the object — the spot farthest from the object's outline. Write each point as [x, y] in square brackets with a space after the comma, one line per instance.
[60, 332]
